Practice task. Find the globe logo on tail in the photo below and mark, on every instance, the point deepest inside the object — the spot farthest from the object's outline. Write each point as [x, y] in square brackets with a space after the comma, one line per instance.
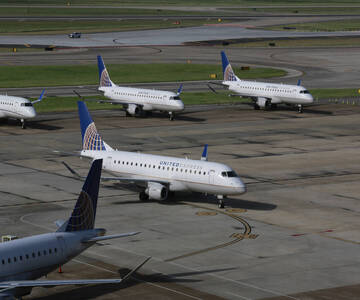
[92, 140]
[229, 74]
[105, 78]
[83, 216]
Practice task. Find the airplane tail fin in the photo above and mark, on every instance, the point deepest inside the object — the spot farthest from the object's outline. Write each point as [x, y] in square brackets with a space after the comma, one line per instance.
[228, 72]
[91, 139]
[104, 78]
[204, 155]
[83, 215]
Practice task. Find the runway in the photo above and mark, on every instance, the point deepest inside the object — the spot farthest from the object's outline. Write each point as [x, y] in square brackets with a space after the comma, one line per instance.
[301, 206]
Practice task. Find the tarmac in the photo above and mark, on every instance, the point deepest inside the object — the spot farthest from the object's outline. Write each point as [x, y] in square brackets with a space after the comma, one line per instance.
[293, 235]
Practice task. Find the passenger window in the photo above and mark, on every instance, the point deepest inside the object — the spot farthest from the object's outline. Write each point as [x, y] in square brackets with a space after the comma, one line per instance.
[44, 252]
[3, 261]
[33, 255]
[9, 260]
[20, 257]
[55, 250]
[50, 251]
[14, 259]
[39, 254]
[27, 256]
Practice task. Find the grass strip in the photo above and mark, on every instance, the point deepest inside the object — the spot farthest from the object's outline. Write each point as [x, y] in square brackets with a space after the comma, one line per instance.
[33, 76]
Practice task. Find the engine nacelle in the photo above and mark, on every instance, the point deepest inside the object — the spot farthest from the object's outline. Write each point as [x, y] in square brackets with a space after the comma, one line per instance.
[133, 109]
[157, 191]
[261, 102]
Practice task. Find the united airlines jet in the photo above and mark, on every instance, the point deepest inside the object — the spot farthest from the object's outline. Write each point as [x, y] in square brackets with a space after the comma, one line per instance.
[26, 259]
[137, 101]
[18, 108]
[264, 95]
[157, 175]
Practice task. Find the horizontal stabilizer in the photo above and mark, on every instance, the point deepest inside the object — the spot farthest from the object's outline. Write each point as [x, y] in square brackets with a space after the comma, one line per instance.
[128, 275]
[109, 237]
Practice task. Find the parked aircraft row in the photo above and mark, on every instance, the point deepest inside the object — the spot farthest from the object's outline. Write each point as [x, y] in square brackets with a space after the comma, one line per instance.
[140, 102]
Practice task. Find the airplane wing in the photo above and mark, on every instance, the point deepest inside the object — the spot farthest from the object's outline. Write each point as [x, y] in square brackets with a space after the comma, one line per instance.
[139, 181]
[106, 101]
[109, 237]
[9, 285]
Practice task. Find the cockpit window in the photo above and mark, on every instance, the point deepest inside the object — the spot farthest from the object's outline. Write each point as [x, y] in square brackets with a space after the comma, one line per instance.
[304, 92]
[26, 104]
[175, 98]
[229, 174]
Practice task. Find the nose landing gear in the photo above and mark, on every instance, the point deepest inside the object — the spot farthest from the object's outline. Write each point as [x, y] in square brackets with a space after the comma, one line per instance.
[23, 126]
[221, 203]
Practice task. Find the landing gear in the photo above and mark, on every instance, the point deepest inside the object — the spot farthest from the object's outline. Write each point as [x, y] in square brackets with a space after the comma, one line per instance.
[171, 116]
[143, 196]
[300, 108]
[267, 105]
[256, 106]
[273, 106]
[221, 203]
[23, 126]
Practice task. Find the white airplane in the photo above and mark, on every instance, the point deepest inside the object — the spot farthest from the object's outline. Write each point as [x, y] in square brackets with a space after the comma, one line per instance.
[264, 95]
[18, 108]
[158, 175]
[26, 259]
[137, 101]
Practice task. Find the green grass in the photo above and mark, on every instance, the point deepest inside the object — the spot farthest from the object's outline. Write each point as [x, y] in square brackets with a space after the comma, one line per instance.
[75, 11]
[301, 10]
[303, 42]
[28, 76]
[67, 26]
[334, 93]
[61, 104]
[338, 25]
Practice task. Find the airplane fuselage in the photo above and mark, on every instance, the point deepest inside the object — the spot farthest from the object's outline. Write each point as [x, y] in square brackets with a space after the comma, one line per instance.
[182, 174]
[147, 99]
[276, 93]
[16, 107]
[32, 257]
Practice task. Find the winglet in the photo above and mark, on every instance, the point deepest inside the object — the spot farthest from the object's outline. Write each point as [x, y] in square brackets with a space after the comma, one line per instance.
[228, 72]
[128, 275]
[104, 78]
[40, 98]
[179, 90]
[204, 155]
[83, 215]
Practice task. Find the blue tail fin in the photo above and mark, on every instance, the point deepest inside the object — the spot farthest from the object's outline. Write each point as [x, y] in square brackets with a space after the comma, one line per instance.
[91, 140]
[104, 78]
[204, 155]
[83, 215]
[228, 72]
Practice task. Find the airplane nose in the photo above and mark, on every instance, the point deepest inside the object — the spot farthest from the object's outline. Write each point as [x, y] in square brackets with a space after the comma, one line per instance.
[241, 187]
[31, 113]
[180, 105]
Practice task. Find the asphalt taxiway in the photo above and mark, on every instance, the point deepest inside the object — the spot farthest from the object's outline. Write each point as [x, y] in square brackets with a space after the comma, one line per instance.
[294, 234]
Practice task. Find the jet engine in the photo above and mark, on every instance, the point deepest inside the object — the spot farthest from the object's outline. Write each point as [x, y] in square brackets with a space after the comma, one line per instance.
[261, 102]
[133, 109]
[157, 191]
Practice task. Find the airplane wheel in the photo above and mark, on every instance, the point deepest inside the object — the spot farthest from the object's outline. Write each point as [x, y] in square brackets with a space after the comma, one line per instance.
[23, 126]
[172, 117]
[256, 107]
[143, 196]
[221, 204]
[300, 109]
[273, 106]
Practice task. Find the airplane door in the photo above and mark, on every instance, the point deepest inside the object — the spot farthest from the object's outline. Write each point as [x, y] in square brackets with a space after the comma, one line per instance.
[62, 245]
[211, 176]
[108, 163]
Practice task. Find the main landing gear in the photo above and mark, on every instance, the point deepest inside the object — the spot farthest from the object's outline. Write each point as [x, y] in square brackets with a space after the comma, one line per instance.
[23, 126]
[221, 203]
[300, 108]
